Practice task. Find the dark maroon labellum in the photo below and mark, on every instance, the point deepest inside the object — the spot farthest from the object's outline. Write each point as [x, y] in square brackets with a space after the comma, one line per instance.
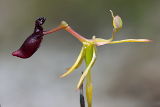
[32, 43]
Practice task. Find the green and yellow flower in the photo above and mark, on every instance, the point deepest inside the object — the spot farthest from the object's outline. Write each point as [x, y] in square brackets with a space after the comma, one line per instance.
[88, 53]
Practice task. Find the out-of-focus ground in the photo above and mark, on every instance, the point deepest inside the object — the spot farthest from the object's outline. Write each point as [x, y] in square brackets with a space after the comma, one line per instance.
[125, 75]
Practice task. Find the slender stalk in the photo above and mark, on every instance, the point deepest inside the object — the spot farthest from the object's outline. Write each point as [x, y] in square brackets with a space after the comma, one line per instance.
[113, 35]
[68, 29]
[82, 100]
[75, 34]
[54, 30]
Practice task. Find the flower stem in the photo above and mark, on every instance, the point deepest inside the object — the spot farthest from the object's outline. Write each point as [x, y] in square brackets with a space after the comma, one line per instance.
[75, 34]
[113, 35]
[53, 30]
[82, 100]
[66, 27]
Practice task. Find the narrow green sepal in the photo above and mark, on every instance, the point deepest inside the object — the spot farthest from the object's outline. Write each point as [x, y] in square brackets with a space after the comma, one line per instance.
[87, 69]
[76, 64]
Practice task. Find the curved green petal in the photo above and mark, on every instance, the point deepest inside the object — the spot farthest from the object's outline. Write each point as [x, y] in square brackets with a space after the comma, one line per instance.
[129, 40]
[76, 64]
[87, 69]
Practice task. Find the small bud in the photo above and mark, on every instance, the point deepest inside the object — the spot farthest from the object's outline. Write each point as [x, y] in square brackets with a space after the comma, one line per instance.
[117, 22]
[32, 43]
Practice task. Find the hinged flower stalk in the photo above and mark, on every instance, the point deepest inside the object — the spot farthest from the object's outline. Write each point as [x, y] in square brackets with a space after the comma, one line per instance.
[87, 53]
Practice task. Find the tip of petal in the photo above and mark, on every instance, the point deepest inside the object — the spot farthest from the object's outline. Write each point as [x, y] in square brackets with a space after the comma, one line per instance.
[65, 74]
[61, 76]
[15, 53]
[19, 54]
[147, 40]
[144, 40]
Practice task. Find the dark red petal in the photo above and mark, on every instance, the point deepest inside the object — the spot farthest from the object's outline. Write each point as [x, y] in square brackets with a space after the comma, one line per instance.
[32, 43]
[29, 47]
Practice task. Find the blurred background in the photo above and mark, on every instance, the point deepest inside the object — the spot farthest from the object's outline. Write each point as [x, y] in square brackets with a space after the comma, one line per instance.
[125, 75]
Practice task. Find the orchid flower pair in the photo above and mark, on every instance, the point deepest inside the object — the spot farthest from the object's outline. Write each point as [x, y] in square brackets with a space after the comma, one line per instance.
[87, 53]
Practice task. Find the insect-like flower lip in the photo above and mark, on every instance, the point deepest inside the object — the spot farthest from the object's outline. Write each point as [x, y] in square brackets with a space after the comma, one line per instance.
[29, 47]
[32, 43]
[40, 21]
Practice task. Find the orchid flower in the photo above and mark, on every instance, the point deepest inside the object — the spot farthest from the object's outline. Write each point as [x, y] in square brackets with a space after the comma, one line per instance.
[88, 51]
